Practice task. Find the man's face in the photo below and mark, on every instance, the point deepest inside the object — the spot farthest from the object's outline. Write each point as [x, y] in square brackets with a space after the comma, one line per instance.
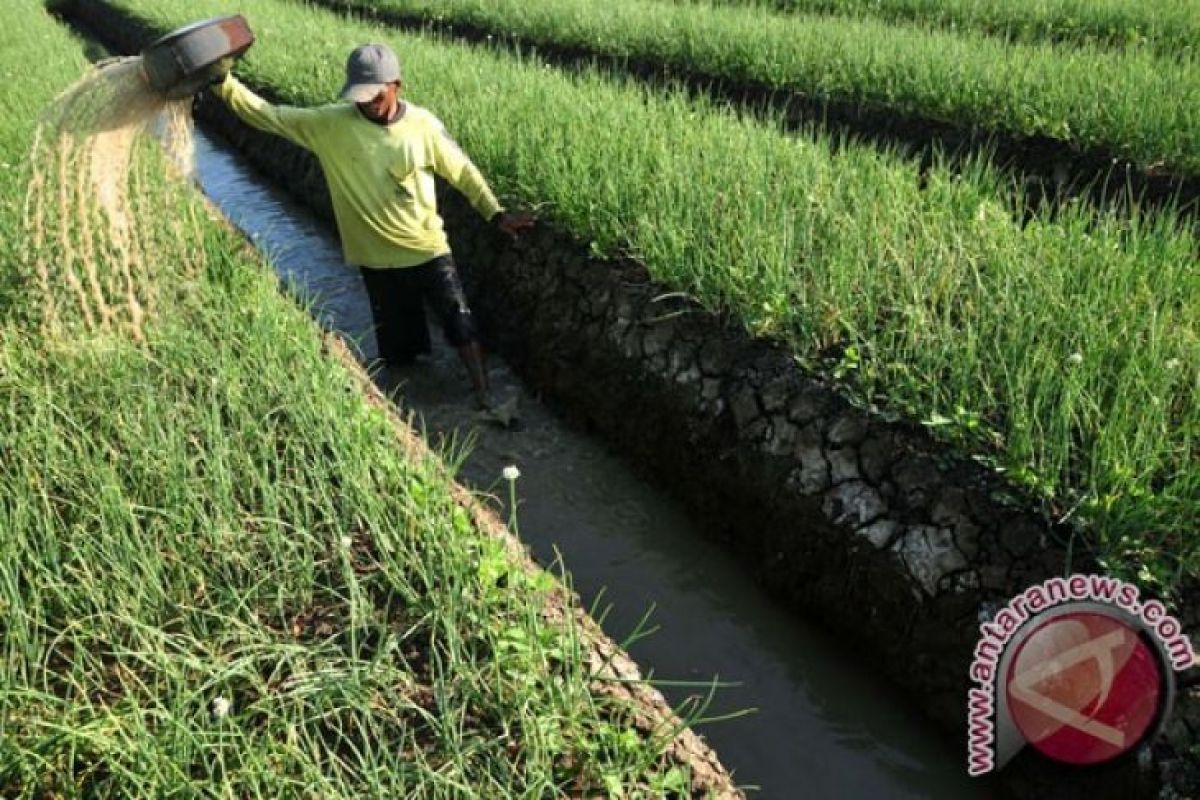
[379, 108]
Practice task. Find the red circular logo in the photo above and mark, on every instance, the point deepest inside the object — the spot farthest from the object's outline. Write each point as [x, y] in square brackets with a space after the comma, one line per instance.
[1084, 687]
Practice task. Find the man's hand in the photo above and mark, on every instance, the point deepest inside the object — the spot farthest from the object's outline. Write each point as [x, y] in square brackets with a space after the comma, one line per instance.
[219, 71]
[514, 224]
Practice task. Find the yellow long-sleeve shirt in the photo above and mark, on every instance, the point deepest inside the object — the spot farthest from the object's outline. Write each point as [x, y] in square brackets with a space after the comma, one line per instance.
[380, 176]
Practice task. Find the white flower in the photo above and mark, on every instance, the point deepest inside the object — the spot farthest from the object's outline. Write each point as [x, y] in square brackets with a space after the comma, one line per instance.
[1172, 363]
[511, 473]
[220, 706]
[1075, 358]
[346, 542]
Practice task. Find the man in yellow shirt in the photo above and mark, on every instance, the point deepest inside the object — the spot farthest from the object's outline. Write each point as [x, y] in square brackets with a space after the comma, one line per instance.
[379, 155]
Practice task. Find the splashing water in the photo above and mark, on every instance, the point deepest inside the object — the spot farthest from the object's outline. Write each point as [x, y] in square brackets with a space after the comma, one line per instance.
[92, 205]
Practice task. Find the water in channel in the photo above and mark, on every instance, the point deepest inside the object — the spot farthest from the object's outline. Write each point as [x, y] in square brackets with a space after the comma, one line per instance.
[823, 727]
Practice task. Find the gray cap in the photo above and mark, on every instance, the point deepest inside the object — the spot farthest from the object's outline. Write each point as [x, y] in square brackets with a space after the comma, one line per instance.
[368, 70]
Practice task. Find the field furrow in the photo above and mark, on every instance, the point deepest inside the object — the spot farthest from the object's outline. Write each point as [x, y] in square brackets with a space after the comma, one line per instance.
[1169, 27]
[1129, 105]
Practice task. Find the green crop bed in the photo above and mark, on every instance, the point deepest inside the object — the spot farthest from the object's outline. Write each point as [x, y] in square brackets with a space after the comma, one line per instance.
[1170, 27]
[1066, 349]
[221, 576]
[1132, 105]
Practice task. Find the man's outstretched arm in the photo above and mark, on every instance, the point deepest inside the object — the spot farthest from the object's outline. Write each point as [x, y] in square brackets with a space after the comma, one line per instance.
[294, 124]
[452, 163]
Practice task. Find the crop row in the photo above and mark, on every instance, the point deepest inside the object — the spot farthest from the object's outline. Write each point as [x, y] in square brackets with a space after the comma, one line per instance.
[1170, 27]
[1133, 105]
[1068, 345]
[221, 573]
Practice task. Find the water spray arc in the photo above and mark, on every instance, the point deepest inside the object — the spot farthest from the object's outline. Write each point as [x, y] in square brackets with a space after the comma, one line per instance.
[87, 200]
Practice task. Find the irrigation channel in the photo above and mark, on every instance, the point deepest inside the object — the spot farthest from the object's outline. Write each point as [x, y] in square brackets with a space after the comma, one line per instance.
[821, 721]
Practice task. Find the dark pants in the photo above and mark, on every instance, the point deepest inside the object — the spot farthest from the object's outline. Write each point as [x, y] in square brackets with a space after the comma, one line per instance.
[396, 296]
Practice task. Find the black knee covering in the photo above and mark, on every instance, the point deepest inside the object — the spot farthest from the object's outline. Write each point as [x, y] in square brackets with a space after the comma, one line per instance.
[460, 327]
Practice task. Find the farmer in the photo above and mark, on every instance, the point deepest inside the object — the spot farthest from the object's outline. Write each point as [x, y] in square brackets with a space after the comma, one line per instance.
[379, 154]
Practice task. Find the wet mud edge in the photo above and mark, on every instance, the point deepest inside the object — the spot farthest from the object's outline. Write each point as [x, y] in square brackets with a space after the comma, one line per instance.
[870, 528]
[616, 675]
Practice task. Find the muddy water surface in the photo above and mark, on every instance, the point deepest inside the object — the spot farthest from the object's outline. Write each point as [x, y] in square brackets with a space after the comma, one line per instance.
[822, 726]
